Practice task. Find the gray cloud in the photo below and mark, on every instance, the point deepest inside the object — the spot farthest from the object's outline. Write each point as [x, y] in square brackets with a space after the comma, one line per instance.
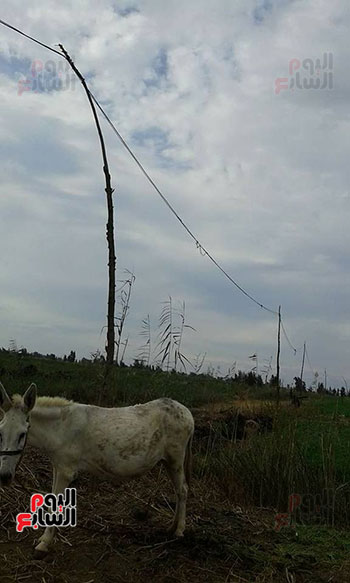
[262, 179]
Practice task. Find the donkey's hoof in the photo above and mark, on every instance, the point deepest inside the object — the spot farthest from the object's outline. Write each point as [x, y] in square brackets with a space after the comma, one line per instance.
[39, 554]
[174, 531]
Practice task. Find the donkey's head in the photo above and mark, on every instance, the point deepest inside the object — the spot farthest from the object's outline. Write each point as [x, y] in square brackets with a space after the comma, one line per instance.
[14, 425]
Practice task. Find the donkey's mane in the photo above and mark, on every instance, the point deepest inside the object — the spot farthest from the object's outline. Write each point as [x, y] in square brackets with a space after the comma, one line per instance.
[17, 401]
[52, 402]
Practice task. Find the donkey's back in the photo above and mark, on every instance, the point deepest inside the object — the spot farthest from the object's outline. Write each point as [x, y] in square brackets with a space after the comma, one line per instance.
[128, 441]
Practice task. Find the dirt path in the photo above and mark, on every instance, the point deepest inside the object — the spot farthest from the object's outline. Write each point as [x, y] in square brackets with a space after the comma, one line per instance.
[121, 537]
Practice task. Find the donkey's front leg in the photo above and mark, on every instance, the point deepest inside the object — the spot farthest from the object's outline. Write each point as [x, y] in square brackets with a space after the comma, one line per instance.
[61, 480]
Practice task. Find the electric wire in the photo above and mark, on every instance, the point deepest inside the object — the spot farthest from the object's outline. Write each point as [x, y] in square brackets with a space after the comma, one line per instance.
[308, 360]
[286, 337]
[199, 246]
[30, 38]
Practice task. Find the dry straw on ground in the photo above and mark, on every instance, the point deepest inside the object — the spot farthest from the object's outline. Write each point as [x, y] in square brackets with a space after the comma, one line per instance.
[121, 533]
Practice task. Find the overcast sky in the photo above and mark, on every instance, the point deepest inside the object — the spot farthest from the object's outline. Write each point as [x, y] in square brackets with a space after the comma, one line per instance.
[260, 174]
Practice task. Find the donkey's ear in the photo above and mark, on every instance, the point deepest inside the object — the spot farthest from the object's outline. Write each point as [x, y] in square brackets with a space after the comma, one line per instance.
[29, 397]
[5, 401]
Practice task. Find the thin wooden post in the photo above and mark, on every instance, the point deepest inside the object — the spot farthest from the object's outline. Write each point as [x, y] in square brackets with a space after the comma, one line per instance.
[278, 354]
[109, 227]
[302, 364]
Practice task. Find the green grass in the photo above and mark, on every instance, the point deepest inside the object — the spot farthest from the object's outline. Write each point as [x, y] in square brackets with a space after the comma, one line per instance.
[307, 453]
[126, 385]
[308, 456]
[328, 405]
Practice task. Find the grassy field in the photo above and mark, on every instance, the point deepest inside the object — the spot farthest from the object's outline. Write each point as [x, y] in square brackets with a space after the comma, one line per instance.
[272, 505]
[82, 382]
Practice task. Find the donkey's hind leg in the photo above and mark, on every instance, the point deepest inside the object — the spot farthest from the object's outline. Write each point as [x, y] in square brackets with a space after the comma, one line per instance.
[61, 480]
[177, 475]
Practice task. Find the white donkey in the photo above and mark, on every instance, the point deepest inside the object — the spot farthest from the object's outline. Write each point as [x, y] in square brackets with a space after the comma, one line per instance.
[113, 443]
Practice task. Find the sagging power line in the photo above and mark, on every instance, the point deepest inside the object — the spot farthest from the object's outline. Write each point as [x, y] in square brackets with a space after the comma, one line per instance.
[199, 245]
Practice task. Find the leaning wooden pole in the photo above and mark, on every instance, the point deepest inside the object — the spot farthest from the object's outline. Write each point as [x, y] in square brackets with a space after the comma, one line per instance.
[278, 354]
[109, 227]
[302, 364]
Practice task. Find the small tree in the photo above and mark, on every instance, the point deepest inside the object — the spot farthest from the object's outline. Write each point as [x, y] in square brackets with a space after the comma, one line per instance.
[198, 362]
[71, 356]
[144, 354]
[97, 357]
[13, 345]
[171, 335]
[320, 388]
[300, 385]
[273, 381]
[124, 302]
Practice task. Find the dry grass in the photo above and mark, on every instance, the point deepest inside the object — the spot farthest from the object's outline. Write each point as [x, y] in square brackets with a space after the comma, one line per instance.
[121, 534]
[245, 406]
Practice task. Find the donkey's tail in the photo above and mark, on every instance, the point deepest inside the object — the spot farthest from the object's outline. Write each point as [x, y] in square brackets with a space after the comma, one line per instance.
[188, 461]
